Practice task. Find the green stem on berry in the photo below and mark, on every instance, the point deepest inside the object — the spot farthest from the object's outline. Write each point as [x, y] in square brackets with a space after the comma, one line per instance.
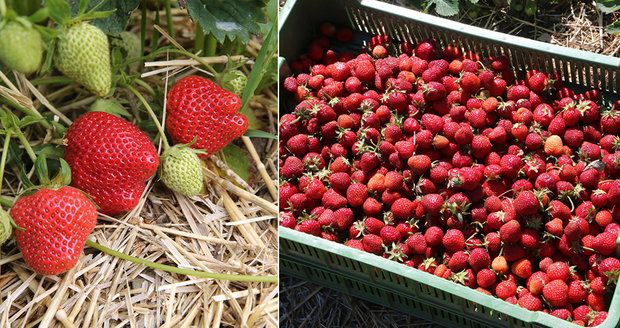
[22, 138]
[169, 18]
[151, 114]
[199, 39]
[143, 19]
[5, 152]
[155, 33]
[146, 86]
[187, 272]
[210, 45]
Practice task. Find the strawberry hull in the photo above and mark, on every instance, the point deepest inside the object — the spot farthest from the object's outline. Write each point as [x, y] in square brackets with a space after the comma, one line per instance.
[385, 281]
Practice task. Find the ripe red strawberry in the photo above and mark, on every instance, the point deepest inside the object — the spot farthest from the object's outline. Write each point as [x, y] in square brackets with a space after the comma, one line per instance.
[479, 259]
[199, 108]
[372, 244]
[506, 289]
[372, 225]
[389, 234]
[54, 227]
[355, 243]
[596, 301]
[577, 292]
[357, 194]
[433, 236]
[311, 227]
[458, 261]
[419, 164]
[610, 268]
[530, 302]
[581, 313]
[416, 243]
[453, 240]
[425, 50]
[510, 232]
[432, 203]
[536, 282]
[486, 278]
[403, 208]
[110, 159]
[537, 82]
[470, 83]
[556, 293]
[605, 243]
[526, 204]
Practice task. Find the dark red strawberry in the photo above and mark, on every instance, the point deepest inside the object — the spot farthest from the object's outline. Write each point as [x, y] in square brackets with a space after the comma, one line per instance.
[53, 227]
[199, 110]
[111, 160]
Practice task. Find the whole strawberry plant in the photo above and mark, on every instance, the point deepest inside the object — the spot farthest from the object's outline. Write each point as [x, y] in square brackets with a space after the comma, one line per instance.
[78, 101]
[455, 164]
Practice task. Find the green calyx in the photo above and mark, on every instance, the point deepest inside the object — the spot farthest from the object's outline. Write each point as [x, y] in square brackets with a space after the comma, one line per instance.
[21, 46]
[181, 170]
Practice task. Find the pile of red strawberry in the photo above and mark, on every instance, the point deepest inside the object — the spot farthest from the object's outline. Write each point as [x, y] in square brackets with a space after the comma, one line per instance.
[448, 163]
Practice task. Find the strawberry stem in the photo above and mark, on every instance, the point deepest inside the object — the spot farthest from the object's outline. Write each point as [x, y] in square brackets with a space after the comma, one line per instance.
[187, 272]
[151, 114]
[5, 152]
[26, 145]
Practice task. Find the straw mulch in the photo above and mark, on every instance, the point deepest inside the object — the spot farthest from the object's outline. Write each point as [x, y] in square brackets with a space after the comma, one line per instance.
[232, 229]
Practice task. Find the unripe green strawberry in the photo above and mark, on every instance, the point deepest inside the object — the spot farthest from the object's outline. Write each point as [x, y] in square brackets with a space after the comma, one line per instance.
[21, 48]
[6, 229]
[83, 54]
[182, 170]
[235, 81]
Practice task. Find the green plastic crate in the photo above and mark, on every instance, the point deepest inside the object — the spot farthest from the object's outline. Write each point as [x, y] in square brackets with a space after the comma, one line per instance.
[386, 282]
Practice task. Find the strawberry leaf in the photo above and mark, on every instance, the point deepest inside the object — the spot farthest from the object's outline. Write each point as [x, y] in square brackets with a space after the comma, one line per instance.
[445, 7]
[59, 10]
[238, 161]
[608, 6]
[228, 19]
[614, 27]
[115, 13]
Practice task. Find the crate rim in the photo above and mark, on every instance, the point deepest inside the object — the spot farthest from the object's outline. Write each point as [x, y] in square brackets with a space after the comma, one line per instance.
[535, 317]
[489, 35]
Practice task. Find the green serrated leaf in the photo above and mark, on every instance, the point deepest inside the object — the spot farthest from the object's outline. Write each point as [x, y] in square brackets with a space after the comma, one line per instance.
[59, 10]
[238, 160]
[251, 133]
[112, 15]
[608, 6]
[614, 27]
[227, 19]
[266, 52]
[446, 7]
